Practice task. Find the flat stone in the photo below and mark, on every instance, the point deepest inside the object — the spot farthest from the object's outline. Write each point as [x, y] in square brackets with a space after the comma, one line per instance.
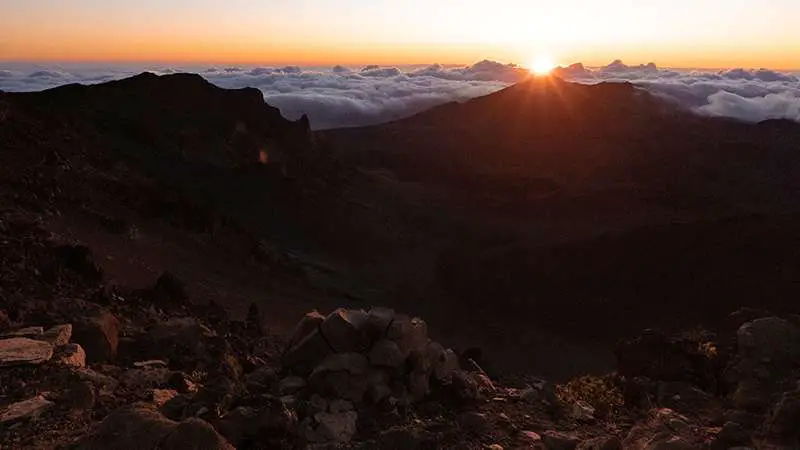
[150, 363]
[290, 385]
[28, 332]
[386, 353]
[71, 355]
[58, 335]
[21, 351]
[25, 409]
[338, 427]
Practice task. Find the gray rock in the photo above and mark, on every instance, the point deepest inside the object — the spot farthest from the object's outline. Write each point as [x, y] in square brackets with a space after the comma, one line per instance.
[386, 353]
[22, 351]
[26, 409]
[409, 334]
[377, 385]
[344, 330]
[58, 335]
[335, 427]
[444, 364]
[71, 355]
[290, 385]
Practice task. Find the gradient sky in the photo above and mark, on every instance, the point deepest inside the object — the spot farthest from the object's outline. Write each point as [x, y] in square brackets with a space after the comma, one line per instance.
[678, 33]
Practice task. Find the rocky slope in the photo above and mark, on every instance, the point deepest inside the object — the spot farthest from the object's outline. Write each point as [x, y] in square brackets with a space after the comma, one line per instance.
[166, 245]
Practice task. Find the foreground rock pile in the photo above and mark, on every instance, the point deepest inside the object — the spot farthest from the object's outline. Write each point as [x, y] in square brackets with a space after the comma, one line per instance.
[354, 360]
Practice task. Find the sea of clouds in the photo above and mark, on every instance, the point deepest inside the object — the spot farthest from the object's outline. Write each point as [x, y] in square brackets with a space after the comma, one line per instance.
[345, 96]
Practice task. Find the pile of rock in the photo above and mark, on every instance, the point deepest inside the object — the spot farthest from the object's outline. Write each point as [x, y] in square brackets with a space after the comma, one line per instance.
[353, 361]
[32, 346]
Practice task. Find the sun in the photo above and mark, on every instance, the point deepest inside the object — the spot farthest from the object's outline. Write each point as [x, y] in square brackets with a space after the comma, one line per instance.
[541, 65]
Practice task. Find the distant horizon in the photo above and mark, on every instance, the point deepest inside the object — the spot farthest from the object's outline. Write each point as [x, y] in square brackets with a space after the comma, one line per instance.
[356, 65]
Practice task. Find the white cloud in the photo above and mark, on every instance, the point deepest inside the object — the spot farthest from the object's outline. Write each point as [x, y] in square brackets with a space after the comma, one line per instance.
[346, 96]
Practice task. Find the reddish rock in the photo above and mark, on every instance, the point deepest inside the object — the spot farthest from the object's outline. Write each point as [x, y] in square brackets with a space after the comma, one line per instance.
[98, 335]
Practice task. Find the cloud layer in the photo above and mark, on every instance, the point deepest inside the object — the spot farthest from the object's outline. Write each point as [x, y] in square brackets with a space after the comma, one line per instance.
[348, 96]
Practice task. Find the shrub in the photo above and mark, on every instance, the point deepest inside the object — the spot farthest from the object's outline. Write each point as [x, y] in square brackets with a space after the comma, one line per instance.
[599, 392]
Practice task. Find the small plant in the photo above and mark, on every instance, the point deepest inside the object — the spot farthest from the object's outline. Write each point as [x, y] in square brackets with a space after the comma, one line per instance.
[599, 392]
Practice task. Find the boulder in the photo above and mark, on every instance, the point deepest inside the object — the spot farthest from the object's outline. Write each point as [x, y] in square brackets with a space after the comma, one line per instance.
[344, 330]
[444, 363]
[58, 335]
[129, 428]
[419, 385]
[26, 409]
[378, 321]
[195, 434]
[98, 334]
[71, 355]
[386, 353]
[554, 440]
[306, 354]
[409, 334]
[22, 351]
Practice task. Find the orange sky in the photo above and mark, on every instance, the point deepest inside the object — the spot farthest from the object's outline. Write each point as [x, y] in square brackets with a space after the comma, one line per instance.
[715, 34]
